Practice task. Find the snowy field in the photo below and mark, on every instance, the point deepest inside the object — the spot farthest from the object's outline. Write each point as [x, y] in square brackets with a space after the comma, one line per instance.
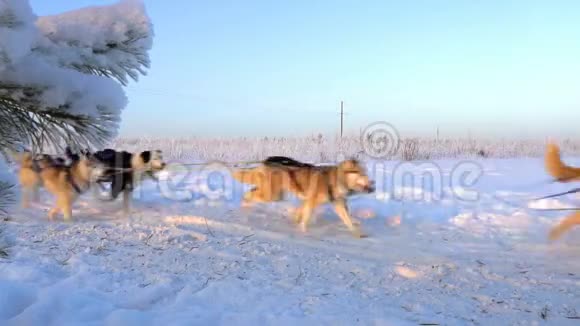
[324, 147]
[434, 255]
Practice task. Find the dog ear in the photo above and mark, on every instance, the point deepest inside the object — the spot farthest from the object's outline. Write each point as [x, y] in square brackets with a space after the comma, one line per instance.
[146, 156]
[86, 152]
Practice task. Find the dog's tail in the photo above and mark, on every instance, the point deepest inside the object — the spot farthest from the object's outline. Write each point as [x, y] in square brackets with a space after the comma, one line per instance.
[558, 169]
[566, 224]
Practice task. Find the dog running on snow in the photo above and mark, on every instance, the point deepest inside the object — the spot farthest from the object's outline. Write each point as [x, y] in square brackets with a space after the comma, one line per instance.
[30, 166]
[314, 185]
[124, 170]
[66, 181]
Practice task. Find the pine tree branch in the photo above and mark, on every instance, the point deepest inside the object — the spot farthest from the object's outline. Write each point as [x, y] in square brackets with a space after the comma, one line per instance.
[9, 19]
[28, 124]
[106, 61]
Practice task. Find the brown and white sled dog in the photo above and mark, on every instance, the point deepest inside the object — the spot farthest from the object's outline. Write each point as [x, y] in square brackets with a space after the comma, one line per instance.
[65, 182]
[314, 185]
[29, 171]
[562, 173]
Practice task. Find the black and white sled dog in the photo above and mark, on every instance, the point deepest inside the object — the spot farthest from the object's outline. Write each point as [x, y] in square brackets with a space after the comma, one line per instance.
[124, 170]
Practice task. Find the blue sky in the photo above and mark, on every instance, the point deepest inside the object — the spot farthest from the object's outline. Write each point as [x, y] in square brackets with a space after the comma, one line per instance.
[225, 68]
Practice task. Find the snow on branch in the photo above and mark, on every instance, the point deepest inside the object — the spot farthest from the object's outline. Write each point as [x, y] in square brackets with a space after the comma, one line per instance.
[17, 33]
[60, 87]
[27, 121]
[60, 70]
[107, 40]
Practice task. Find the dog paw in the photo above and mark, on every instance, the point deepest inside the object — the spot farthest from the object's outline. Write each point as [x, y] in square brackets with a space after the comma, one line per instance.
[296, 218]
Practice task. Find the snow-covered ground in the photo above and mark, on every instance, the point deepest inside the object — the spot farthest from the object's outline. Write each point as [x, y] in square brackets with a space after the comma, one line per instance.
[428, 259]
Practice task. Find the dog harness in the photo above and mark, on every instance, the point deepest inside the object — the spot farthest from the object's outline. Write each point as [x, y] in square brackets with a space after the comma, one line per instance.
[73, 183]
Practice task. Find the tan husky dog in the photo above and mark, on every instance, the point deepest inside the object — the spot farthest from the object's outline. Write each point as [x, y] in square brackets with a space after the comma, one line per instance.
[314, 185]
[64, 182]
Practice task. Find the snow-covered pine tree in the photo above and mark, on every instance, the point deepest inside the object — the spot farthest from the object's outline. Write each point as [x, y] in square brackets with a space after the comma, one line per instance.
[61, 76]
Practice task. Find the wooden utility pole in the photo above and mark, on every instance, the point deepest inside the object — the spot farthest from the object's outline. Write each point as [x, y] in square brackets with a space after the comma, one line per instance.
[341, 118]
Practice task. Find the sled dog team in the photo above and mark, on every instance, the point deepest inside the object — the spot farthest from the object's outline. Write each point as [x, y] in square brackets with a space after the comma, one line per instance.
[68, 177]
